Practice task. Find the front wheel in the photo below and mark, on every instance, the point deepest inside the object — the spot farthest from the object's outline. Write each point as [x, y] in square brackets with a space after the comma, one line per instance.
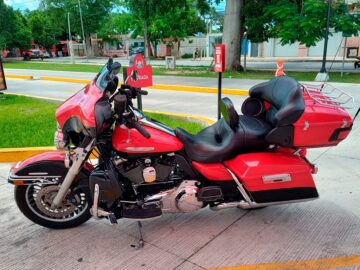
[34, 201]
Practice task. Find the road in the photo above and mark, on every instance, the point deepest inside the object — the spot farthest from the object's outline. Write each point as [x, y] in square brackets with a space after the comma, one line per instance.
[312, 235]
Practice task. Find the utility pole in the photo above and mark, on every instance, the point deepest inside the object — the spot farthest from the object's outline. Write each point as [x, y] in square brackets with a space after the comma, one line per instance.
[82, 28]
[323, 75]
[71, 47]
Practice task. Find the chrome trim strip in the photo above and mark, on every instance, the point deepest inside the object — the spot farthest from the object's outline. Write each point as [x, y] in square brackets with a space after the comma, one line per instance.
[38, 173]
[24, 177]
[148, 123]
[276, 178]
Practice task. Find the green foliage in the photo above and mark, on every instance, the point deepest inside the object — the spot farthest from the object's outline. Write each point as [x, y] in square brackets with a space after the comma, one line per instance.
[94, 12]
[115, 24]
[14, 32]
[174, 19]
[305, 21]
[42, 31]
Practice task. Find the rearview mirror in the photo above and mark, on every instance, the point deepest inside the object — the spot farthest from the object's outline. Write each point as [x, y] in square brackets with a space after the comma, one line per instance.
[115, 68]
[109, 63]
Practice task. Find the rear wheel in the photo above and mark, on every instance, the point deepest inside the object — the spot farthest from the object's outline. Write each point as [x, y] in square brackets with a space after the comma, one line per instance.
[34, 202]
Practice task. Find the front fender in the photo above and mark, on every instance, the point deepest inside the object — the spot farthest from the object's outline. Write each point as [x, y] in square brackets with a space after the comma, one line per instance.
[46, 166]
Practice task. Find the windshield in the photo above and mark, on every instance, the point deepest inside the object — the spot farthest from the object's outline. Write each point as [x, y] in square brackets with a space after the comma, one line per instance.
[102, 78]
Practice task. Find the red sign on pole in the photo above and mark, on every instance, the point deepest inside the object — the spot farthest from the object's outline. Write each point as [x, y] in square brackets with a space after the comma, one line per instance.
[219, 58]
[144, 73]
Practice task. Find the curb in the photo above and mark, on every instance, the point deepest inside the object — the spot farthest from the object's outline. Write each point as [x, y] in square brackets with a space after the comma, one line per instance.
[13, 76]
[162, 87]
[17, 154]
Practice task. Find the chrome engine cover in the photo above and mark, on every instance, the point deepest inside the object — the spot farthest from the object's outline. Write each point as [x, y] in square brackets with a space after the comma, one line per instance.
[182, 199]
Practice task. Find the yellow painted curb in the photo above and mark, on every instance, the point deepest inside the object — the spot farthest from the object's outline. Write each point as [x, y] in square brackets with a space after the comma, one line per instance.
[12, 76]
[314, 264]
[183, 88]
[199, 89]
[59, 79]
[17, 154]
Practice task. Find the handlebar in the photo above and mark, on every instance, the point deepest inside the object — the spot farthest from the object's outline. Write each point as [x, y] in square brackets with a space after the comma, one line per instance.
[142, 92]
[142, 130]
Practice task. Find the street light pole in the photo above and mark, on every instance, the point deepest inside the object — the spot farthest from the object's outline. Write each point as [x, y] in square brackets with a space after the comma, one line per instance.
[82, 28]
[71, 47]
[322, 75]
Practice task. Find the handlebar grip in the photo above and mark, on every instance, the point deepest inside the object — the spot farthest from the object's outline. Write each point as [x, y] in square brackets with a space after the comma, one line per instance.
[142, 130]
[143, 92]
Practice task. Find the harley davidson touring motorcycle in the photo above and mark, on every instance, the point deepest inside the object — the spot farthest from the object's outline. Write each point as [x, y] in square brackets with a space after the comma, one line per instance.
[145, 169]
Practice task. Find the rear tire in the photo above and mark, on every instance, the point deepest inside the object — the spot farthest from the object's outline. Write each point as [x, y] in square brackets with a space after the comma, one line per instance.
[76, 211]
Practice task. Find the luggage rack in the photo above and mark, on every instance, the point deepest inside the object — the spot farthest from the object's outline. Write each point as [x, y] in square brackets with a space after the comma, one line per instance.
[328, 95]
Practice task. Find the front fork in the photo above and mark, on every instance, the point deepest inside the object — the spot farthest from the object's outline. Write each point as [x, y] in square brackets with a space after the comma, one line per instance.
[80, 156]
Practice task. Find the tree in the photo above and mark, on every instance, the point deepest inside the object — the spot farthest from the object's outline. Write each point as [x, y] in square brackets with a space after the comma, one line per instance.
[166, 19]
[232, 33]
[14, 32]
[305, 21]
[42, 31]
[290, 21]
[94, 13]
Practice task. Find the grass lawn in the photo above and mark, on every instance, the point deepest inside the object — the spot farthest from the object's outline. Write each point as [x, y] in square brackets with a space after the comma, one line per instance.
[27, 122]
[188, 72]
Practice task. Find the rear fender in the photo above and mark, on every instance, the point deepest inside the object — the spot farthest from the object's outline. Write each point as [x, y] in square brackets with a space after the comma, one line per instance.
[48, 167]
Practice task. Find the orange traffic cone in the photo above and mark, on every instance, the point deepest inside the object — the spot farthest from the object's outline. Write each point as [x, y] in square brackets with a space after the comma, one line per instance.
[280, 68]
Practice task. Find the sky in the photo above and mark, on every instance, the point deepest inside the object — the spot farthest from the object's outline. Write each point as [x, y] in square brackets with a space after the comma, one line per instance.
[23, 4]
[34, 4]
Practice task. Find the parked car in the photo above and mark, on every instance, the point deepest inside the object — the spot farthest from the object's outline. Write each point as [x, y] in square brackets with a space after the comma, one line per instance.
[137, 50]
[32, 54]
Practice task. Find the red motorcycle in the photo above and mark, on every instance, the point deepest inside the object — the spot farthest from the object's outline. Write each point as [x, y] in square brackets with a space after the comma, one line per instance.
[145, 168]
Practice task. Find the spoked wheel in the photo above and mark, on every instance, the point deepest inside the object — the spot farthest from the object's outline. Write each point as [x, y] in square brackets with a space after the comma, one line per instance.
[34, 201]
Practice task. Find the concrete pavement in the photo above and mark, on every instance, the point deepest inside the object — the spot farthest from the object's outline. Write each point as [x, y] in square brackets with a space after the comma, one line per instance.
[304, 234]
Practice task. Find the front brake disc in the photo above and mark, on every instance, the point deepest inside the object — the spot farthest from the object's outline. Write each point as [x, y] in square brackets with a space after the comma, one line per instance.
[44, 199]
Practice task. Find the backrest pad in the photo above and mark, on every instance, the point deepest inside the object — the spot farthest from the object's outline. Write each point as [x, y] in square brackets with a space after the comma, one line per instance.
[284, 95]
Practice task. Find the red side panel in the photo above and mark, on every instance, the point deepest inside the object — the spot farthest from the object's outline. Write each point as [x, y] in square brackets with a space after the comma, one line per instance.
[318, 123]
[132, 142]
[255, 170]
[212, 171]
[80, 105]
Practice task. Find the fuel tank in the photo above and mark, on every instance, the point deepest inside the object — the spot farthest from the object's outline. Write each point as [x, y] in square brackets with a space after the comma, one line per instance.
[132, 142]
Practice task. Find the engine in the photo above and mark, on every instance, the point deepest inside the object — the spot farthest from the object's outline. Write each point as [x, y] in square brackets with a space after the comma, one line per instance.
[146, 170]
[160, 183]
[183, 199]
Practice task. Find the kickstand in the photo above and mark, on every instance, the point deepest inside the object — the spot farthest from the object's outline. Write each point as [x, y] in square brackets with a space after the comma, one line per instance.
[141, 240]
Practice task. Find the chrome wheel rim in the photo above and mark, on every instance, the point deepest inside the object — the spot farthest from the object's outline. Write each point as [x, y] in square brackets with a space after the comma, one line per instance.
[39, 197]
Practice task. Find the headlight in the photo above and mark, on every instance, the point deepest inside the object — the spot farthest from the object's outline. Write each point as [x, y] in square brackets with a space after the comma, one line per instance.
[59, 141]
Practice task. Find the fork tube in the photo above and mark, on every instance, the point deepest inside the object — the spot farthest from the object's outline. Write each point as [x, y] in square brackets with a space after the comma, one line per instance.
[80, 156]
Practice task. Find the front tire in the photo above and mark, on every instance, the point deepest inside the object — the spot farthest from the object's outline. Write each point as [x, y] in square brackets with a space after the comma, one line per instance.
[34, 202]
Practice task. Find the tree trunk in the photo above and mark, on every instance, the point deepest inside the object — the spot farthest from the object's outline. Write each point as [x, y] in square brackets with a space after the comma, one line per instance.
[148, 43]
[231, 33]
[154, 47]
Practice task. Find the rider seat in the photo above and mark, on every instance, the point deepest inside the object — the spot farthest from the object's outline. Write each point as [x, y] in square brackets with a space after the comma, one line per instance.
[231, 135]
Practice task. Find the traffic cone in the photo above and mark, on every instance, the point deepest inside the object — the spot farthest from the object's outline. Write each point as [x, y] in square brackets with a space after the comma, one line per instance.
[280, 68]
